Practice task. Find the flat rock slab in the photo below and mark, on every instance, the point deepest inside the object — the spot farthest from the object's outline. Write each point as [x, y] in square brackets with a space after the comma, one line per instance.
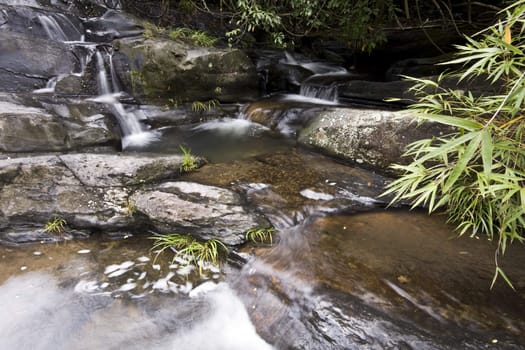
[204, 211]
[90, 191]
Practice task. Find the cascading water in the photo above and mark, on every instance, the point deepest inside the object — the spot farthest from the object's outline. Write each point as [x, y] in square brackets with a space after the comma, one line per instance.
[323, 84]
[134, 133]
[59, 28]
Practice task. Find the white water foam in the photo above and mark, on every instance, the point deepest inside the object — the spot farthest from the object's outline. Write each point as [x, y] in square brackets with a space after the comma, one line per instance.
[231, 126]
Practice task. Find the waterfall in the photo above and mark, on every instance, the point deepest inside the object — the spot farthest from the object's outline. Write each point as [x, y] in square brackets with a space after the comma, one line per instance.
[134, 134]
[50, 87]
[324, 82]
[324, 92]
[52, 28]
[59, 28]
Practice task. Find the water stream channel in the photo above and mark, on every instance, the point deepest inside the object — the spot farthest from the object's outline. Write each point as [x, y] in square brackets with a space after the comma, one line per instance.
[344, 273]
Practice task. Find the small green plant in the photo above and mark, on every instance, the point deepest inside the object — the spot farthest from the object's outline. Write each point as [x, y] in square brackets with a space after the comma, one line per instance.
[198, 106]
[130, 207]
[260, 235]
[188, 247]
[217, 90]
[188, 160]
[151, 30]
[197, 37]
[56, 226]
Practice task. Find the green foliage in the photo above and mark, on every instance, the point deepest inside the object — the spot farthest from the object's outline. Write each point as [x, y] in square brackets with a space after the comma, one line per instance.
[151, 30]
[56, 226]
[260, 235]
[206, 106]
[197, 37]
[187, 247]
[477, 172]
[188, 160]
[355, 22]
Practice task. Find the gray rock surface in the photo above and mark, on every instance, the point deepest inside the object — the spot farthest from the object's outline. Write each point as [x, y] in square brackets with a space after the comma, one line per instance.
[204, 211]
[372, 138]
[28, 129]
[90, 191]
[112, 193]
[164, 69]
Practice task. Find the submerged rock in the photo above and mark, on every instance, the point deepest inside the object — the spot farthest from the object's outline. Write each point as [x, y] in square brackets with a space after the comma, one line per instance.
[204, 211]
[166, 69]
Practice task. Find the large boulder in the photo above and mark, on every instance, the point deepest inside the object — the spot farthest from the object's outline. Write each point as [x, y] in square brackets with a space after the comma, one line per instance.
[204, 211]
[372, 138]
[28, 129]
[165, 69]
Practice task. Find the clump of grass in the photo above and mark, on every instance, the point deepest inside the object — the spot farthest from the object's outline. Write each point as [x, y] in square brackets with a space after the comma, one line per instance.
[206, 106]
[188, 160]
[56, 226]
[260, 235]
[186, 246]
[197, 37]
[151, 30]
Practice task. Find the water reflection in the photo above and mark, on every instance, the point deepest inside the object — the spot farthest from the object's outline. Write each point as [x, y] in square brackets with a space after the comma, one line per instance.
[382, 280]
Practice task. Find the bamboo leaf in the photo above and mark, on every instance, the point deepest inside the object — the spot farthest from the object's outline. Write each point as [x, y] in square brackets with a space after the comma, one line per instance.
[462, 162]
[486, 152]
[467, 124]
[499, 272]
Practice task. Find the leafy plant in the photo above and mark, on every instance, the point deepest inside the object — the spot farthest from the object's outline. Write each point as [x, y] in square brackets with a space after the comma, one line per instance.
[354, 22]
[206, 106]
[186, 246]
[56, 226]
[477, 172]
[197, 37]
[260, 235]
[188, 160]
[151, 30]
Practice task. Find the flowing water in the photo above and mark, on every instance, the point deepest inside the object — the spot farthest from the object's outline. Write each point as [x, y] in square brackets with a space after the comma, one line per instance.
[378, 280]
[344, 273]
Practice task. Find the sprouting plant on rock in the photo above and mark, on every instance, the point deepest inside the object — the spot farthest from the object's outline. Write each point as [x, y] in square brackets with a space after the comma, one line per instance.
[260, 235]
[187, 247]
[56, 226]
[189, 162]
[206, 106]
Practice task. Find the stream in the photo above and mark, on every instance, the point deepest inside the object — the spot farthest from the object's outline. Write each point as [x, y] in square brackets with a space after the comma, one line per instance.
[345, 271]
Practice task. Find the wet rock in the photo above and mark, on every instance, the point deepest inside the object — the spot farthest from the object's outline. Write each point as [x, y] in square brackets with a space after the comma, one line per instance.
[290, 187]
[165, 69]
[40, 23]
[282, 113]
[112, 25]
[380, 92]
[27, 62]
[90, 191]
[204, 211]
[372, 138]
[114, 170]
[27, 129]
